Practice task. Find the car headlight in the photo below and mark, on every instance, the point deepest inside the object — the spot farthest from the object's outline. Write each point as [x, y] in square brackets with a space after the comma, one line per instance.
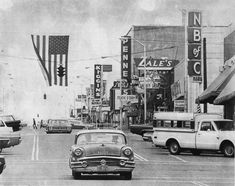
[78, 152]
[127, 152]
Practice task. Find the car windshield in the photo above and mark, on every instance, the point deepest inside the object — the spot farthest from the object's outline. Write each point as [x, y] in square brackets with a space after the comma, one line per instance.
[101, 137]
[225, 125]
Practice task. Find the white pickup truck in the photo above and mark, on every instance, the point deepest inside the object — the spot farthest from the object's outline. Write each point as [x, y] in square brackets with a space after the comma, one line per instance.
[195, 132]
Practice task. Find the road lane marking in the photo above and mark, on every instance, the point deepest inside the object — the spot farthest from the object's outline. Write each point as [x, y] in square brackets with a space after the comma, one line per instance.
[178, 158]
[139, 157]
[199, 183]
[35, 150]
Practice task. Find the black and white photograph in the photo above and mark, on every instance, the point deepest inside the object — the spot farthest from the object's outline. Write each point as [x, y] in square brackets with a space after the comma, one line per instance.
[117, 92]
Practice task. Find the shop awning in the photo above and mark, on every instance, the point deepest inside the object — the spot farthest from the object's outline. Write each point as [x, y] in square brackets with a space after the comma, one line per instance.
[227, 93]
[216, 87]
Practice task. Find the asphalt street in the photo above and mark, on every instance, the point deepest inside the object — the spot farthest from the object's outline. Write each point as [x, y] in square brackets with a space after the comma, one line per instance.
[42, 159]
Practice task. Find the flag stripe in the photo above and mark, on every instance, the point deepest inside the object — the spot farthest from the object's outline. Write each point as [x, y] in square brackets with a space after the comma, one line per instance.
[49, 68]
[61, 63]
[44, 49]
[38, 45]
[66, 70]
[55, 69]
[43, 68]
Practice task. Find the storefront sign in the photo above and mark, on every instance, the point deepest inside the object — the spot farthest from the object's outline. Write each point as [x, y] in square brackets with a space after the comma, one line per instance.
[197, 79]
[128, 98]
[179, 103]
[176, 90]
[92, 90]
[116, 84]
[155, 64]
[97, 81]
[194, 43]
[194, 51]
[194, 19]
[154, 79]
[96, 102]
[194, 68]
[194, 35]
[126, 58]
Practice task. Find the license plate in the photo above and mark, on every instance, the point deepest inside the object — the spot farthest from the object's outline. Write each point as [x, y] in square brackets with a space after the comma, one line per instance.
[102, 168]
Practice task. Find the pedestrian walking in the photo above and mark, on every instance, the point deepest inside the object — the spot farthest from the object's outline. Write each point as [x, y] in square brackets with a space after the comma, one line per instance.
[38, 121]
[34, 124]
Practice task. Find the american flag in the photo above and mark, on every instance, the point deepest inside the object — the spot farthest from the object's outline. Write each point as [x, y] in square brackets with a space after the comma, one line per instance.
[52, 52]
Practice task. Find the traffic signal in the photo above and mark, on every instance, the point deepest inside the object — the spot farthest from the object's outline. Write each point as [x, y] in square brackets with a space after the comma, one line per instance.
[60, 71]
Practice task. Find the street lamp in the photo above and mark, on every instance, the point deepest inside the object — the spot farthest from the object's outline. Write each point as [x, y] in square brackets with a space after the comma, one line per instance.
[145, 91]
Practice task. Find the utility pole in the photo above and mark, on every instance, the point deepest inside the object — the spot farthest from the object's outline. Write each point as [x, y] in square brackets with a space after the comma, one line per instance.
[120, 104]
[204, 71]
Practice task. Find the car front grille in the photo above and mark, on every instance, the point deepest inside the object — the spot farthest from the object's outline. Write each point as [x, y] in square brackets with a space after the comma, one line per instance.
[109, 162]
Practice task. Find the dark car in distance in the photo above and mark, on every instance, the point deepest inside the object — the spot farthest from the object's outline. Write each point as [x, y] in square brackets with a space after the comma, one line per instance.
[140, 129]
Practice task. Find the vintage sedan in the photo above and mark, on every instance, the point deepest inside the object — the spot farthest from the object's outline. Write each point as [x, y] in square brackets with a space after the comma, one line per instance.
[58, 125]
[101, 151]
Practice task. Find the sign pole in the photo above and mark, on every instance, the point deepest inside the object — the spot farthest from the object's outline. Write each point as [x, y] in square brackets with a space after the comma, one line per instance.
[120, 104]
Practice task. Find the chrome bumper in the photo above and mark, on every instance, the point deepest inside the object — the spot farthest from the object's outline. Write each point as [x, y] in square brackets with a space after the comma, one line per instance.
[84, 165]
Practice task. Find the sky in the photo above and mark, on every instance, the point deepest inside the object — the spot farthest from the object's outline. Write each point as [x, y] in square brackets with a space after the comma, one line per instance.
[94, 27]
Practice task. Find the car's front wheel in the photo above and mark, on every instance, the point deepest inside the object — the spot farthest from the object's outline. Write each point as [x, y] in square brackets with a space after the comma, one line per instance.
[126, 175]
[76, 175]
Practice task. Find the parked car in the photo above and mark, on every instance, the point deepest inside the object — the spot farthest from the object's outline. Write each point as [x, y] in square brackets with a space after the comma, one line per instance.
[2, 164]
[11, 122]
[78, 124]
[58, 125]
[101, 151]
[144, 130]
[8, 138]
[204, 132]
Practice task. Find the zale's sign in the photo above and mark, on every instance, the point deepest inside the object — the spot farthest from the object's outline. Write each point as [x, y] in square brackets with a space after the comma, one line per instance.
[155, 64]
[97, 81]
